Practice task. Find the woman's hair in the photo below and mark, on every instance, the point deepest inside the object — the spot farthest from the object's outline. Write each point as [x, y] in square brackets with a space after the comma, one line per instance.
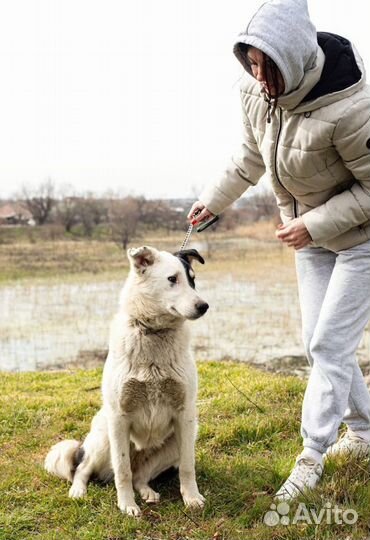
[269, 68]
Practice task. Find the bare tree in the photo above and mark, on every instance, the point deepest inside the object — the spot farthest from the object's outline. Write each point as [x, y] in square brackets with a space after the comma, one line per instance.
[264, 204]
[91, 212]
[40, 201]
[86, 210]
[159, 213]
[260, 204]
[125, 217]
[229, 219]
[68, 212]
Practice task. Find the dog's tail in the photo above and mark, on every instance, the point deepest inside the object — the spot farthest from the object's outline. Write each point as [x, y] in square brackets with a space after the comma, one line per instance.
[63, 459]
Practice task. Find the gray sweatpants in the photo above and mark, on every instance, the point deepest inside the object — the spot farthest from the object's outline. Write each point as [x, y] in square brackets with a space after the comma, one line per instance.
[334, 293]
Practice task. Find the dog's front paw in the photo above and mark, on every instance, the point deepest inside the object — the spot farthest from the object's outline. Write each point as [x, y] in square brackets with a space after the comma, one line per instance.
[78, 491]
[193, 500]
[149, 495]
[131, 509]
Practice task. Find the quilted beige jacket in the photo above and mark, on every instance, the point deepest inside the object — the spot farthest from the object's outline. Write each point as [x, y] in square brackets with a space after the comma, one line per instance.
[316, 153]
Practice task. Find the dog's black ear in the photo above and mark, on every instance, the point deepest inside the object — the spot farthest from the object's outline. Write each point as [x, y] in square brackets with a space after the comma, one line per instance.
[188, 255]
[141, 257]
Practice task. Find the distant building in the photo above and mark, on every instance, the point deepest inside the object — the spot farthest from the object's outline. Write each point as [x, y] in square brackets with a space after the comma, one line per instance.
[180, 205]
[15, 213]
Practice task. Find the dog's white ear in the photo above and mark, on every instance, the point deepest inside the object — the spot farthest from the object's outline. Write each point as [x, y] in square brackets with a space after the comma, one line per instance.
[141, 257]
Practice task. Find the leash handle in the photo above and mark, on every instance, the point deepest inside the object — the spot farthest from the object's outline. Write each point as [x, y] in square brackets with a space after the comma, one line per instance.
[208, 224]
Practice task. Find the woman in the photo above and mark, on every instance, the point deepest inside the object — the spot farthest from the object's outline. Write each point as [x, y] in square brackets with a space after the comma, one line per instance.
[306, 113]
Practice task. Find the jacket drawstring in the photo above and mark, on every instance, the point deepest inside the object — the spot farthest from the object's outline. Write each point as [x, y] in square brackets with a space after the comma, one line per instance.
[271, 107]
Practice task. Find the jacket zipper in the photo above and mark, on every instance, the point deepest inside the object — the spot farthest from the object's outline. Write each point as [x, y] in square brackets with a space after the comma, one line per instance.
[295, 212]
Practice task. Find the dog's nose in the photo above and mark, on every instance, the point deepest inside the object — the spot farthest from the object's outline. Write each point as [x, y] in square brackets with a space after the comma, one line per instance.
[202, 307]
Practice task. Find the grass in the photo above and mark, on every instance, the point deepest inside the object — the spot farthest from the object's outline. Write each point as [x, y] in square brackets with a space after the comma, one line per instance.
[60, 260]
[248, 439]
[248, 249]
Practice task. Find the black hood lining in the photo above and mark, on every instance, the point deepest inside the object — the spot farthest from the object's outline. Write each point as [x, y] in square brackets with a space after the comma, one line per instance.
[340, 68]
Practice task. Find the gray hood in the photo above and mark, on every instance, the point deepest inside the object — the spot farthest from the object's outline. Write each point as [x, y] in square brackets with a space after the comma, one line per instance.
[282, 29]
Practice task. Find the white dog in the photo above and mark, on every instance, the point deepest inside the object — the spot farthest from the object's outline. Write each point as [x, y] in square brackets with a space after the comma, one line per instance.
[148, 421]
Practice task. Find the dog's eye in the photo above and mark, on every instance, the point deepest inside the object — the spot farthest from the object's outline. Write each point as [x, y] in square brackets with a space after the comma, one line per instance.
[172, 279]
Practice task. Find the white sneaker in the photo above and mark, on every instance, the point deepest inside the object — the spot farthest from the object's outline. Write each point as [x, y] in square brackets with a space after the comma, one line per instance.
[349, 443]
[305, 475]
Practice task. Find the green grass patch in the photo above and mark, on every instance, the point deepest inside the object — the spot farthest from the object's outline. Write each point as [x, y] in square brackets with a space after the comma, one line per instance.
[248, 440]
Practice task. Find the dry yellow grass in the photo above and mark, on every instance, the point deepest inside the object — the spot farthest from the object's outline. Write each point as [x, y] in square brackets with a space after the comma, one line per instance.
[245, 248]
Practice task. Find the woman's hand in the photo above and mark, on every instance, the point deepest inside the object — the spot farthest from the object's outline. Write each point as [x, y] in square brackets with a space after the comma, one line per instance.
[294, 233]
[204, 214]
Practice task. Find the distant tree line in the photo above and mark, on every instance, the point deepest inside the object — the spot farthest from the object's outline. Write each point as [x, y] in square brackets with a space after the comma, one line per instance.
[125, 217]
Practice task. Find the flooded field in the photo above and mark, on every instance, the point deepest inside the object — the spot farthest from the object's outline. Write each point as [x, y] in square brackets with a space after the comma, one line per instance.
[254, 317]
[46, 325]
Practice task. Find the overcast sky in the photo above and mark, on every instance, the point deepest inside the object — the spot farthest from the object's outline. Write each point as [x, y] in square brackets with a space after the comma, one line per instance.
[139, 96]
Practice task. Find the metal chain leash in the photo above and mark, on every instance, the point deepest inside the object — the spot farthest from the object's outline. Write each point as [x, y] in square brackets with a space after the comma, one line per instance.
[199, 229]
